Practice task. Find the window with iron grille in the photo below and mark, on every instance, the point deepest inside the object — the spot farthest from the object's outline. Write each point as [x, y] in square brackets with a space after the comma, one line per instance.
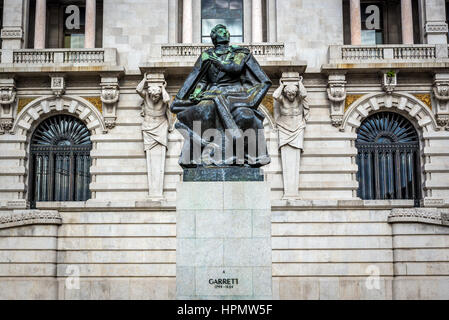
[388, 158]
[60, 161]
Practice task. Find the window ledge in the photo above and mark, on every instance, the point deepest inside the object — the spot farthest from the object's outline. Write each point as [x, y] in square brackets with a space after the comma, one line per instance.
[341, 204]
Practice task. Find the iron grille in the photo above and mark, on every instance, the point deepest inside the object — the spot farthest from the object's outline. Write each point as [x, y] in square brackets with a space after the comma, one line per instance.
[60, 161]
[388, 158]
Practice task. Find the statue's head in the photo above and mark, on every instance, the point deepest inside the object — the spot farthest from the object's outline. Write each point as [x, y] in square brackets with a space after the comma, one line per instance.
[220, 35]
[291, 91]
[155, 93]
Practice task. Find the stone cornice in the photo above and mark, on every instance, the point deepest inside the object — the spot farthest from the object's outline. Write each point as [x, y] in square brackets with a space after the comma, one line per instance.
[29, 217]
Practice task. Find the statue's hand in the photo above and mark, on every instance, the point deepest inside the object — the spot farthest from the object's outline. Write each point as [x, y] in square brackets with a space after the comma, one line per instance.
[194, 98]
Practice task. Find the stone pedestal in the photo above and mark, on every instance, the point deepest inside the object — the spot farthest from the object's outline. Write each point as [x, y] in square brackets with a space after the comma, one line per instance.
[223, 240]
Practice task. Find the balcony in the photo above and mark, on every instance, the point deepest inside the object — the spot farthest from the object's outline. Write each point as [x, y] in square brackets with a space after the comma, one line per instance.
[179, 58]
[420, 56]
[38, 60]
[194, 50]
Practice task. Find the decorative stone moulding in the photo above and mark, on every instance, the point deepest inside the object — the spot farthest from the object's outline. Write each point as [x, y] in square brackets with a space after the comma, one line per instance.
[77, 106]
[422, 215]
[11, 33]
[389, 81]
[58, 84]
[110, 94]
[7, 103]
[336, 93]
[29, 217]
[441, 99]
[436, 27]
[432, 202]
[401, 102]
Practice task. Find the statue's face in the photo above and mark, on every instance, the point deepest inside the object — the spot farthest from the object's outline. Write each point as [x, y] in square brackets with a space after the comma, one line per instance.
[223, 36]
[155, 93]
[291, 92]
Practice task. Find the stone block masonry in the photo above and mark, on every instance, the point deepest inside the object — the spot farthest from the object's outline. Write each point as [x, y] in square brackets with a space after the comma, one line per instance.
[223, 240]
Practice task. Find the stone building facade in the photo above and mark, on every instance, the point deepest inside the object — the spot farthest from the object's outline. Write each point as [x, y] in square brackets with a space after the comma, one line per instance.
[350, 233]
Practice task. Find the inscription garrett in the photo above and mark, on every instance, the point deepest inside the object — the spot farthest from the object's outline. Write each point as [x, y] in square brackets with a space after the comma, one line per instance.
[223, 283]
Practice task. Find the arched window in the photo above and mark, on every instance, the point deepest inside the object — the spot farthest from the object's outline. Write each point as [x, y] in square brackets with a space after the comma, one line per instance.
[60, 160]
[227, 12]
[388, 158]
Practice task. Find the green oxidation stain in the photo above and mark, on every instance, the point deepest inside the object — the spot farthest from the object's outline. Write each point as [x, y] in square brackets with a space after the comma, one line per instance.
[204, 56]
[196, 93]
[239, 58]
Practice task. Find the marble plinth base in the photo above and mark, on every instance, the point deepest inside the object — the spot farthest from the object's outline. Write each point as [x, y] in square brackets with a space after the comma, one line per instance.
[223, 240]
[222, 174]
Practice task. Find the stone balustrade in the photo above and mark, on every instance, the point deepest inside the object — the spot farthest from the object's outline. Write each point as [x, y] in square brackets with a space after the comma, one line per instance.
[387, 53]
[194, 50]
[18, 57]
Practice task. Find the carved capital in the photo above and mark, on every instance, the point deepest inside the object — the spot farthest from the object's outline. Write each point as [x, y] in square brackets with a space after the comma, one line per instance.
[336, 93]
[110, 95]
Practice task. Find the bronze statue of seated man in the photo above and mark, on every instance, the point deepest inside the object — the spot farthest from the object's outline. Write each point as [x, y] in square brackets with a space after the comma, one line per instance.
[223, 92]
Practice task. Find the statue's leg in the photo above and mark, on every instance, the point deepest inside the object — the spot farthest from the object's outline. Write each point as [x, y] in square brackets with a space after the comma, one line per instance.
[223, 109]
[256, 153]
[291, 158]
[192, 123]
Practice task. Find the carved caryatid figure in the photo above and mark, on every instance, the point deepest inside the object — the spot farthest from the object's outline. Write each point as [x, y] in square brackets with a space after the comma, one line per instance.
[291, 116]
[155, 133]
